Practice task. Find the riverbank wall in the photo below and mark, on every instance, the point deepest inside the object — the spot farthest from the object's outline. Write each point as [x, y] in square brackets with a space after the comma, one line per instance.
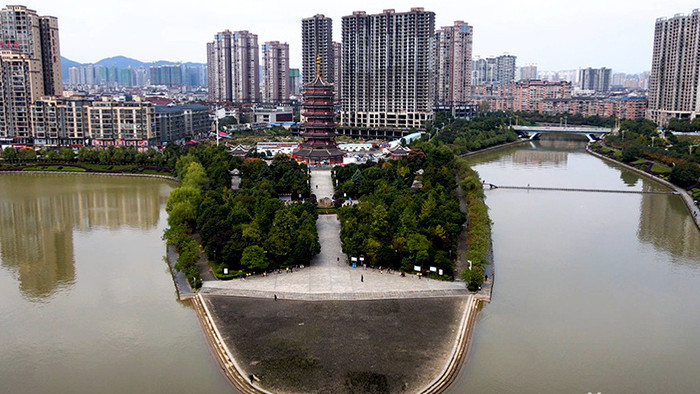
[687, 199]
[460, 350]
[496, 147]
[227, 362]
[164, 177]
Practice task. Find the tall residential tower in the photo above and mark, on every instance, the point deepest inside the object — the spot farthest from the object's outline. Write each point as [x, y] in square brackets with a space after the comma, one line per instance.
[275, 86]
[317, 40]
[454, 63]
[22, 30]
[674, 89]
[388, 69]
[232, 64]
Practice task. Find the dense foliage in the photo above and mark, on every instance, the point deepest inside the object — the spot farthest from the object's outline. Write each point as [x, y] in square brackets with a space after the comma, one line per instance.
[479, 230]
[398, 226]
[284, 176]
[182, 207]
[246, 231]
[684, 125]
[640, 139]
[468, 136]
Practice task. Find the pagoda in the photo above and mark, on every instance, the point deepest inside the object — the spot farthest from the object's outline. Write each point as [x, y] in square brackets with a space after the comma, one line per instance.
[318, 126]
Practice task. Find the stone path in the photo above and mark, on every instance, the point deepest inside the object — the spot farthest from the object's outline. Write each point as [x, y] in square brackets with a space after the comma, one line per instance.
[329, 277]
[321, 183]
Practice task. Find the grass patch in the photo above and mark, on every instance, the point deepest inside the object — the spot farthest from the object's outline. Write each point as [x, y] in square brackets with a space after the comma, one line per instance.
[638, 162]
[322, 211]
[657, 168]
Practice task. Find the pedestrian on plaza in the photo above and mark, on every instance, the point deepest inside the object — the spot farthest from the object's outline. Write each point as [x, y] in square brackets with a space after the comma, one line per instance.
[275, 297]
[362, 278]
[252, 379]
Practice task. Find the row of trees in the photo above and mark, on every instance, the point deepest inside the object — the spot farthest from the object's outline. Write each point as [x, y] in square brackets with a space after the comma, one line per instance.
[479, 229]
[182, 207]
[109, 156]
[395, 226]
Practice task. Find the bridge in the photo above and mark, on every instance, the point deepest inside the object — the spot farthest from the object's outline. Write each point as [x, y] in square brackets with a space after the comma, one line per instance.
[572, 189]
[534, 132]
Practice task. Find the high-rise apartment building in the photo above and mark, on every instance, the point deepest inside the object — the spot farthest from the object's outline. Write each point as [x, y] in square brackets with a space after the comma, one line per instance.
[494, 70]
[20, 85]
[674, 89]
[388, 69]
[454, 63]
[337, 69]
[275, 84]
[219, 67]
[528, 73]
[294, 82]
[233, 67]
[167, 75]
[317, 40]
[596, 79]
[24, 31]
[505, 69]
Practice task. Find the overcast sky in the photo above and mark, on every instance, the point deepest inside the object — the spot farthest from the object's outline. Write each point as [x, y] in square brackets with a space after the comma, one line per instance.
[553, 34]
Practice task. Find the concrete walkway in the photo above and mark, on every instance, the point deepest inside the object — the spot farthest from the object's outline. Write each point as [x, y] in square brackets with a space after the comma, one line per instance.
[330, 279]
[321, 183]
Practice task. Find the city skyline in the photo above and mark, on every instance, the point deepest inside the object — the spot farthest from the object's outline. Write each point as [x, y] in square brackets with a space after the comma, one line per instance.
[616, 35]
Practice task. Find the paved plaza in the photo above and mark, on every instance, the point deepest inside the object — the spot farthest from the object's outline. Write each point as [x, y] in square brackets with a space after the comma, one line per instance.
[321, 183]
[329, 277]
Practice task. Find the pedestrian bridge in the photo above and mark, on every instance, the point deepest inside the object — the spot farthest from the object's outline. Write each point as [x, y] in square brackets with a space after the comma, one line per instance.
[534, 132]
[573, 189]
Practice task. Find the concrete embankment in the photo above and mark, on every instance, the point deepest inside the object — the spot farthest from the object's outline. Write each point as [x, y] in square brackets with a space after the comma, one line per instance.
[164, 177]
[687, 199]
[406, 345]
[496, 147]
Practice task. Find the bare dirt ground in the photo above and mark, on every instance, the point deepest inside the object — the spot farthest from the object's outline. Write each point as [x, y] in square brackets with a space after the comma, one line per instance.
[378, 346]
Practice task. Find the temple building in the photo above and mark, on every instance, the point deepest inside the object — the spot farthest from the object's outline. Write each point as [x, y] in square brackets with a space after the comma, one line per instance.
[318, 124]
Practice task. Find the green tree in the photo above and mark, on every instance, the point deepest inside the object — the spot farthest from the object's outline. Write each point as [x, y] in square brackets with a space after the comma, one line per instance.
[26, 154]
[685, 174]
[10, 154]
[253, 258]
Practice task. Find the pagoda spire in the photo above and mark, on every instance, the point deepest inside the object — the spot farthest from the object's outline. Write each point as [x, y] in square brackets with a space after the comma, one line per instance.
[318, 66]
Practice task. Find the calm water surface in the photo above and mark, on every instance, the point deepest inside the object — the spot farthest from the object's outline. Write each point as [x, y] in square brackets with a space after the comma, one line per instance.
[594, 292]
[87, 303]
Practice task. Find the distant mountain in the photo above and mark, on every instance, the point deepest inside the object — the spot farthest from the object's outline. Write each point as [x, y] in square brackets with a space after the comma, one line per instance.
[118, 62]
[121, 62]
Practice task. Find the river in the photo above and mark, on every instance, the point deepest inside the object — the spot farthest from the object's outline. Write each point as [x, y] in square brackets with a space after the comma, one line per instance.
[594, 292]
[87, 303]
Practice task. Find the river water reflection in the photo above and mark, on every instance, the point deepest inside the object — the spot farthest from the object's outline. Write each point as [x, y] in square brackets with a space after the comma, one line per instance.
[88, 304]
[594, 292]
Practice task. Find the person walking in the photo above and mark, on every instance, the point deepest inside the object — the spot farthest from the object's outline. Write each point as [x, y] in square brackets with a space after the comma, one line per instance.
[362, 278]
